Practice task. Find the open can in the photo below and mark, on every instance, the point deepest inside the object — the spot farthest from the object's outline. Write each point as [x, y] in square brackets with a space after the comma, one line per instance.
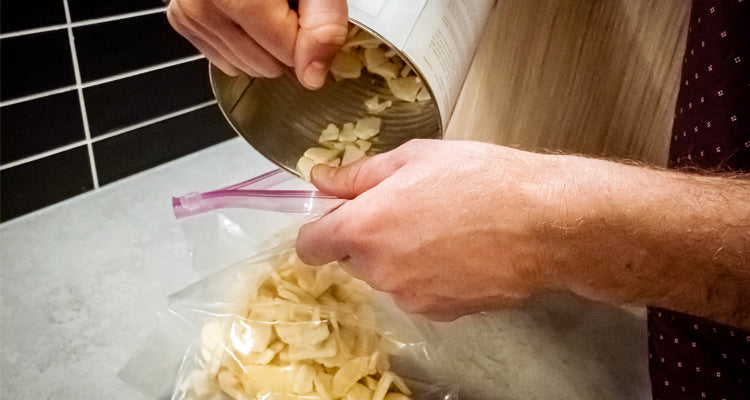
[437, 39]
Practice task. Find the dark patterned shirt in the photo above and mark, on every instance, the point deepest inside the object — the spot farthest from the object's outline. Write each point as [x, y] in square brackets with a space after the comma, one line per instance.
[691, 357]
[712, 118]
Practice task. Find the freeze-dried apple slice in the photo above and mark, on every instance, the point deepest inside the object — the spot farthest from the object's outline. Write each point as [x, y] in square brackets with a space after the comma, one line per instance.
[303, 380]
[323, 383]
[348, 375]
[375, 106]
[423, 94]
[304, 167]
[327, 349]
[362, 39]
[388, 70]
[272, 378]
[306, 331]
[363, 145]
[346, 65]
[230, 384]
[330, 133]
[406, 88]
[359, 392]
[321, 155]
[352, 153]
[367, 127]
[374, 57]
[396, 396]
[347, 134]
[302, 334]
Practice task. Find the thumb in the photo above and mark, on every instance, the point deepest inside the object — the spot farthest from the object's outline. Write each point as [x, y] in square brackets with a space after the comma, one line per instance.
[354, 179]
[322, 32]
[326, 239]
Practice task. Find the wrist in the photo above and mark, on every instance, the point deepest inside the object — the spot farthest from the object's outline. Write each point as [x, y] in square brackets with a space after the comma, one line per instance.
[637, 235]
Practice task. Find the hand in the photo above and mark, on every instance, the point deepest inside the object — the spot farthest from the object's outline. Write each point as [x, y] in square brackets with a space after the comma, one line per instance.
[260, 37]
[447, 228]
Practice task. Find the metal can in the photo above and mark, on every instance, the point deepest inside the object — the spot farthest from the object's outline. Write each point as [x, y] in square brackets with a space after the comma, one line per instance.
[435, 38]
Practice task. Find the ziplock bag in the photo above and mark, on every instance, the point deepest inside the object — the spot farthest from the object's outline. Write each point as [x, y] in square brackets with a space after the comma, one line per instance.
[233, 223]
[270, 327]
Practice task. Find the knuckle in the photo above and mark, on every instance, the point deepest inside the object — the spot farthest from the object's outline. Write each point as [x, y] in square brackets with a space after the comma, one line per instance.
[351, 178]
[320, 16]
[236, 6]
[329, 34]
[414, 146]
[174, 13]
[183, 11]
[263, 67]
[356, 180]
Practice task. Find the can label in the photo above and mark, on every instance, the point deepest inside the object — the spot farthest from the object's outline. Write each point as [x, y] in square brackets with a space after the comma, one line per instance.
[438, 37]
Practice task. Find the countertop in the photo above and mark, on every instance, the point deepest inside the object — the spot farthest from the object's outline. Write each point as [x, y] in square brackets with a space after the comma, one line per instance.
[81, 282]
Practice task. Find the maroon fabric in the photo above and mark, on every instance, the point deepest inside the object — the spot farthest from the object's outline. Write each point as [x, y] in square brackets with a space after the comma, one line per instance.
[712, 118]
[695, 358]
[691, 357]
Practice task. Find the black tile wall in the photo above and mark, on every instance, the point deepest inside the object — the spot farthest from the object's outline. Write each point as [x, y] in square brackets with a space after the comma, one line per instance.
[40, 125]
[35, 63]
[159, 92]
[81, 10]
[116, 47]
[145, 96]
[20, 15]
[33, 185]
[132, 152]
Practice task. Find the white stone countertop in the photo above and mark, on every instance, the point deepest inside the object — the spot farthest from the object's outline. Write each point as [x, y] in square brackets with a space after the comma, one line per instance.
[81, 281]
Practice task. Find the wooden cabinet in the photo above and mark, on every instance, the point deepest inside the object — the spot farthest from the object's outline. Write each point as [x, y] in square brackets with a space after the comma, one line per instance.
[598, 77]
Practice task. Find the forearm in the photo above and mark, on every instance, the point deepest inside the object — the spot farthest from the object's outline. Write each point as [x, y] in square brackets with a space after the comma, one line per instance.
[509, 224]
[658, 238]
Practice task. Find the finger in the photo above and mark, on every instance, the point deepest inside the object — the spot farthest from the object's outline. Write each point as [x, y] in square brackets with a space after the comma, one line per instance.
[206, 21]
[329, 238]
[270, 23]
[250, 54]
[199, 22]
[322, 32]
[319, 242]
[354, 179]
[213, 55]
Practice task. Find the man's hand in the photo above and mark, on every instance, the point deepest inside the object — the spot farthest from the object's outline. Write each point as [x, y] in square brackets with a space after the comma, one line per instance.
[449, 228]
[261, 37]
[444, 227]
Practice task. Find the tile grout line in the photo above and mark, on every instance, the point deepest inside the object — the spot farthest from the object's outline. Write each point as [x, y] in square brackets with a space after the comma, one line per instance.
[81, 102]
[127, 129]
[41, 155]
[141, 71]
[25, 32]
[102, 81]
[152, 121]
[37, 96]
[71, 24]
[79, 85]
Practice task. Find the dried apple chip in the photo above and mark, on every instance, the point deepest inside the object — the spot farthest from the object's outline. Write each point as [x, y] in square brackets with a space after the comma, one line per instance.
[311, 335]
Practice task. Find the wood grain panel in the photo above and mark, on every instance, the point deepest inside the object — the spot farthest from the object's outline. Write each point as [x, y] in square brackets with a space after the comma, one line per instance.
[597, 77]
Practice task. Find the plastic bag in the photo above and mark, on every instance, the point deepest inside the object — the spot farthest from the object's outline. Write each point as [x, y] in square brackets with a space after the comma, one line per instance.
[231, 224]
[269, 327]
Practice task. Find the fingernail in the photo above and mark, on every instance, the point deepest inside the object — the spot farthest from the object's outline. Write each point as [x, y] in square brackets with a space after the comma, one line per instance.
[315, 74]
[321, 172]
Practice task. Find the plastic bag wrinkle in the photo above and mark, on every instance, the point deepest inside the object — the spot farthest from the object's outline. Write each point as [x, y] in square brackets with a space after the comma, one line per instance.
[352, 342]
[262, 325]
[234, 223]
